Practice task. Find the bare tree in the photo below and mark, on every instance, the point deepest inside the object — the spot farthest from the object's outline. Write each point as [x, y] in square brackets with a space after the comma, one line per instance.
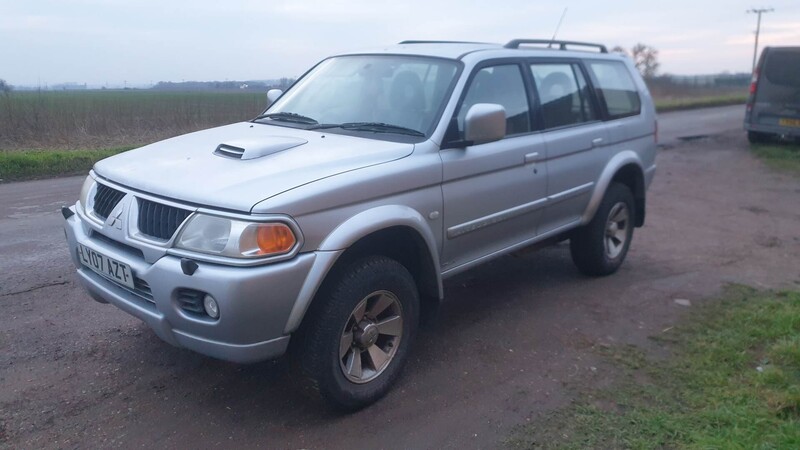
[645, 58]
[619, 49]
[5, 88]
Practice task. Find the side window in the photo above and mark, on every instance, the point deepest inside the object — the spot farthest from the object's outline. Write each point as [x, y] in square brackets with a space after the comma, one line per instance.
[502, 85]
[564, 94]
[616, 87]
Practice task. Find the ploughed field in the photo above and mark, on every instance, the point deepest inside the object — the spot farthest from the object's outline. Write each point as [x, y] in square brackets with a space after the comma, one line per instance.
[66, 120]
[110, 119]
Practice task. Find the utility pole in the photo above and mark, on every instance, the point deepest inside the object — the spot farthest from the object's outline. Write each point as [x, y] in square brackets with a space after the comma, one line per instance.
[758, 11]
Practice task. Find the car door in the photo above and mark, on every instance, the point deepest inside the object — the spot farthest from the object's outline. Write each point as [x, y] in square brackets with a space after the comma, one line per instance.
[574, 138]
[494, 192]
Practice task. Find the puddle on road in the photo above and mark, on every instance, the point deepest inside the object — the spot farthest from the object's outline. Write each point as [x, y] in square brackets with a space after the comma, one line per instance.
[694, 138]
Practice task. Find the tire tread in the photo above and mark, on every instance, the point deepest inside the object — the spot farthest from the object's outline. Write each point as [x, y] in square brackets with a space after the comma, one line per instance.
[333, 300]
[586, 243]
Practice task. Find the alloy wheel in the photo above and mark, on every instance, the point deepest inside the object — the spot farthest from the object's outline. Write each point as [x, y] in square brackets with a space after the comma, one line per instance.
[616, 230]
[371, 337]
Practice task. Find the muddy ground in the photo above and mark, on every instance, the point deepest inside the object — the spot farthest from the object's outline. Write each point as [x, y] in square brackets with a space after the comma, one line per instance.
[512, 337]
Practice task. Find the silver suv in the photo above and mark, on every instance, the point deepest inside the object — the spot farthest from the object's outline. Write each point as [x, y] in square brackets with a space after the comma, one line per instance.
[335, 216]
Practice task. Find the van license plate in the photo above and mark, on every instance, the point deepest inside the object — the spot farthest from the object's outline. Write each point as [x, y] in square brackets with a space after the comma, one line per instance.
[789, 122]
[105, 266]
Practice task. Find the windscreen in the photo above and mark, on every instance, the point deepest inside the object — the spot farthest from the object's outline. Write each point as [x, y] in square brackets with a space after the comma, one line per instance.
[397, 90]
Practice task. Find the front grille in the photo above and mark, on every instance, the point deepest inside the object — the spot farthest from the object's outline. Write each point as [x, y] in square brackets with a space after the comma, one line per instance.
[160, 221]
[105, 199]
[142, 289]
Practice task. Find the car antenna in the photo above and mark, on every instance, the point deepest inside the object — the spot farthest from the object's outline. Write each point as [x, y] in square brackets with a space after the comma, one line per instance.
[553, 39]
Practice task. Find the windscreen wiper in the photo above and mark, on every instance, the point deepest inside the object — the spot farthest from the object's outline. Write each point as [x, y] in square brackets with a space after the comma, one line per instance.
[376, 127]
[288, 117]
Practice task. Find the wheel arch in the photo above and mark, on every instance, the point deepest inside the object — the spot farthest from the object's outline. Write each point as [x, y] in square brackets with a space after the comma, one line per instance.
[625, 168]
[395, 231]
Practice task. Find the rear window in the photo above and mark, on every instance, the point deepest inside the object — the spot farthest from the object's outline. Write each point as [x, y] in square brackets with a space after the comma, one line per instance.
[616, 87]
[783, 68]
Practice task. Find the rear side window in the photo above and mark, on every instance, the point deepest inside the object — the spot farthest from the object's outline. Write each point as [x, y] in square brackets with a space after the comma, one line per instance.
[783, 68]
[616, 87]
[563, 94]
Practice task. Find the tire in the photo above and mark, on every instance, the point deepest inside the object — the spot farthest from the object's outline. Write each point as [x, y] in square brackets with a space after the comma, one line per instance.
[600, 247]
[756, 137]
[351, 373]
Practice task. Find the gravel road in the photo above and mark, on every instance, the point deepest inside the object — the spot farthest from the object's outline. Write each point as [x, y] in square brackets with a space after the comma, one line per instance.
[512, 336]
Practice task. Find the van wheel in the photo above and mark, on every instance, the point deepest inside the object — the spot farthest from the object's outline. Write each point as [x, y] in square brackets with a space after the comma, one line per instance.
[757, 138]
[357, 336]
[600, 247]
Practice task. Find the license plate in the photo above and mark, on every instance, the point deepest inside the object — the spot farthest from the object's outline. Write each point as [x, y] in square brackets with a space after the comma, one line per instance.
[105, 266]
[789, 122]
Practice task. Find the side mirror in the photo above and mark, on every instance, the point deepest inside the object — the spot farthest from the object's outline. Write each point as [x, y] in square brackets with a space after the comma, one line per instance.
[273, 95]
[485, 122]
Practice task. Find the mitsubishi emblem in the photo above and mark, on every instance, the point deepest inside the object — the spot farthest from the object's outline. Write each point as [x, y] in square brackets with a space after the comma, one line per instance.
[115, 218]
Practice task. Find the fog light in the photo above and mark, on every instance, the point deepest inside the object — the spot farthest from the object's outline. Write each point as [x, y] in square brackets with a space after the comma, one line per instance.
[211, 307]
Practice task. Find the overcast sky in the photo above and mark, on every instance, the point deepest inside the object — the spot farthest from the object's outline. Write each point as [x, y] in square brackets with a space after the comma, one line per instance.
[143, 41]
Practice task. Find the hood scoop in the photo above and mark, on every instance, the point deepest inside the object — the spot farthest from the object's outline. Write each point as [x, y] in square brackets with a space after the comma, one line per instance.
[257, 147]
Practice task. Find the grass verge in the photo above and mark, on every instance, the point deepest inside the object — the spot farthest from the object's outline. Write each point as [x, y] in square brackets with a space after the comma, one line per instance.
[32, 164]
[783, 157]
[733, 382]
[676, 104]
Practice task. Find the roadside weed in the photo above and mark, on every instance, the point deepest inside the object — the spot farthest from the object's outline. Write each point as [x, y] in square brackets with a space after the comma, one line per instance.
[733, 381]
[783, 157]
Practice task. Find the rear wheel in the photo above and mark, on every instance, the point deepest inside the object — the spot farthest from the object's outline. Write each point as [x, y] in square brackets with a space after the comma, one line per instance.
[357, 336]
[600, 247]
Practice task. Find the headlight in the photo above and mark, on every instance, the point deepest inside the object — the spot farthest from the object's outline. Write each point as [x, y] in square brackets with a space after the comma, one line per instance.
[236, 238]
[88, 184]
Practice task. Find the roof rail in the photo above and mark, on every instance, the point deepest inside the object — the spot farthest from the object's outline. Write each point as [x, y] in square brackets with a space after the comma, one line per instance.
[562, 45]
[439, 42]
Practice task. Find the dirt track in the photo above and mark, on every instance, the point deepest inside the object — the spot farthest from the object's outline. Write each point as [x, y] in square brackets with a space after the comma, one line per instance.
[74, 373]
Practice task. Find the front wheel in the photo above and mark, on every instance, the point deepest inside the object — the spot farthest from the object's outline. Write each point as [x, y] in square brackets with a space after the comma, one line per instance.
[600, 247]
[359, 331]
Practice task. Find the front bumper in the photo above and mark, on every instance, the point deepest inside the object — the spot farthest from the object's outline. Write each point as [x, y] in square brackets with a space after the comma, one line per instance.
[255, 303]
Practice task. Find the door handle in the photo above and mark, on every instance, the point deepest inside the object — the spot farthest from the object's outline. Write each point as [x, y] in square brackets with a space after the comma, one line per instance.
[531, 157]
[597, 142]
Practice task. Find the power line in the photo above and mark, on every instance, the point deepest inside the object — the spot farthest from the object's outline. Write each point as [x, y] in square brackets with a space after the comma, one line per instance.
[758, 11]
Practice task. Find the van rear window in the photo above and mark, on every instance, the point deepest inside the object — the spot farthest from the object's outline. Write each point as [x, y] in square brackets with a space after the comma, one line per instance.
[617, 88]
[783, 68]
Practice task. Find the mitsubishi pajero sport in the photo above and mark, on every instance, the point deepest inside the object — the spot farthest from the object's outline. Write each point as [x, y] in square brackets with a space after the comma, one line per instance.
[331, 221]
